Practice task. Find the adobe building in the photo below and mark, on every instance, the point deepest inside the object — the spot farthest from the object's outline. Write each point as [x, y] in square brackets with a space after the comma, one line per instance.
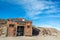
[17, 27]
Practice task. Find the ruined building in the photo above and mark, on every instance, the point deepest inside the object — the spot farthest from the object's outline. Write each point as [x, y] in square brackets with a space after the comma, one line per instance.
[16, 27]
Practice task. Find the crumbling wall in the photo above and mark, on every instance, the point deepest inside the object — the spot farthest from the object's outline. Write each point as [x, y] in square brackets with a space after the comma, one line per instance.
[3, 31]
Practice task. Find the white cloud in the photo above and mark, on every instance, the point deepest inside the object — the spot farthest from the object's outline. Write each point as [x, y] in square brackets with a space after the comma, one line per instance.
[52, 11]
[35, 7]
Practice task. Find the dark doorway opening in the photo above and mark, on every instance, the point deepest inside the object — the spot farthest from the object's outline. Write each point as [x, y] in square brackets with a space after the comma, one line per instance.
[35, 31]
[20, 30]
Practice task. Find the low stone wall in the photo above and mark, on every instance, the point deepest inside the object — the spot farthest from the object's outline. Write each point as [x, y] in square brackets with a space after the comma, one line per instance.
[3, 32]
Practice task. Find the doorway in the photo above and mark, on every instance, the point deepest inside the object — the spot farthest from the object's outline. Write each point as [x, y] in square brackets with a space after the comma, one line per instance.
[20, 30]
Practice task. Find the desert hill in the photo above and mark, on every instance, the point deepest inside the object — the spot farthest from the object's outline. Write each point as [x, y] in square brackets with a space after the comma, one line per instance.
[48, 31]
[40, 31]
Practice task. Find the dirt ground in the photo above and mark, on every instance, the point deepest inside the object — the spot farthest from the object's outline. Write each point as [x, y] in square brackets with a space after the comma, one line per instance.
[31, 38]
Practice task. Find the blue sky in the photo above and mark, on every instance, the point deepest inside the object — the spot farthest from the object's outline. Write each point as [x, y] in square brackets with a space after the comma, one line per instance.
[43, 13]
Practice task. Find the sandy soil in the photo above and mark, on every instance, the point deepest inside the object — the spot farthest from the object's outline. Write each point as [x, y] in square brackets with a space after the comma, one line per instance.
[32, 38]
